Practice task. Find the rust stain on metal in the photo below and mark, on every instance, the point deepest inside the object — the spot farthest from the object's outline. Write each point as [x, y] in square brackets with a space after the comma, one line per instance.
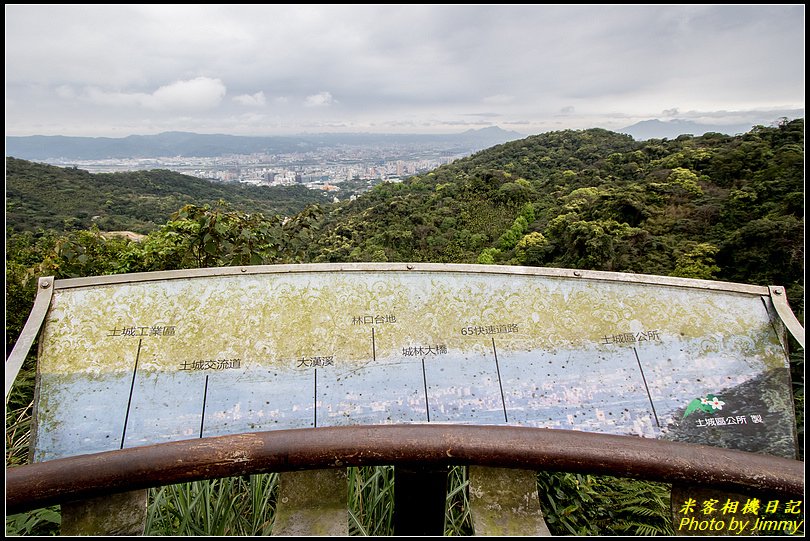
[46, 483]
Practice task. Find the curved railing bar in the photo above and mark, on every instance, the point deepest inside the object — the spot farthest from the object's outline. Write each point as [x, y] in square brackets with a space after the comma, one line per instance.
[80, 477]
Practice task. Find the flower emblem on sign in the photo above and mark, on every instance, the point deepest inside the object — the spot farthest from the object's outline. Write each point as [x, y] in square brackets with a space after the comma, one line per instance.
[709, 404]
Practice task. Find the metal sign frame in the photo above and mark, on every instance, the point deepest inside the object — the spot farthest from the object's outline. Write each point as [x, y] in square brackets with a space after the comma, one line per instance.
[47, 285]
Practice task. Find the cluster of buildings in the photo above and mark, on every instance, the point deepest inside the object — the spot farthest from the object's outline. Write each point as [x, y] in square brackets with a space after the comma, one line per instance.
[315, 175]
[316, 169]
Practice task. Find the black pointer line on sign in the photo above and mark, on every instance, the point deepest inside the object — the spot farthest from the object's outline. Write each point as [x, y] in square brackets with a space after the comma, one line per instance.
[205, 397]
[500, 384]
[649, 396]
[315, 399]
[131, 388]
[424, 381]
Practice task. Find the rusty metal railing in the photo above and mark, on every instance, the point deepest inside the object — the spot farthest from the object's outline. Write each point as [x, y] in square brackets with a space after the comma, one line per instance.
[81, 477]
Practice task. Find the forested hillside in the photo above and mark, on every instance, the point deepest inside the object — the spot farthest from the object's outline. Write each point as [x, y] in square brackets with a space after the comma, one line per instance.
[712, 207]
[44, 196]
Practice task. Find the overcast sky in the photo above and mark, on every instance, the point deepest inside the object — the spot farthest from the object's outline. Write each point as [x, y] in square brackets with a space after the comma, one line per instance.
[250, 70]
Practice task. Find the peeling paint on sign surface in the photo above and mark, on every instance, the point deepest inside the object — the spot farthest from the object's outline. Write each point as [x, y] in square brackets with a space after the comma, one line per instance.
[149, 361]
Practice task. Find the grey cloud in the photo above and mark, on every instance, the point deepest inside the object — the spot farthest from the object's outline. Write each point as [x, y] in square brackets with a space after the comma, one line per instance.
[321, 99]
[467, 123]
[196, 94]
[251, 100]
[379, 65]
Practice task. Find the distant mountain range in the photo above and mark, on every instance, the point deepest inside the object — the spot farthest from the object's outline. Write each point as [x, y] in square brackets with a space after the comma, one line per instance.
[671, 129]
[42, 147]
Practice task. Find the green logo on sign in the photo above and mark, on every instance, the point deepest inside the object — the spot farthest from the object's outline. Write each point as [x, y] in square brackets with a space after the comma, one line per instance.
[709, 404]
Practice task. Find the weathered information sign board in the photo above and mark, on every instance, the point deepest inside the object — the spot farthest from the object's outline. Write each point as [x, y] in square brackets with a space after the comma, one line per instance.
[147, 358]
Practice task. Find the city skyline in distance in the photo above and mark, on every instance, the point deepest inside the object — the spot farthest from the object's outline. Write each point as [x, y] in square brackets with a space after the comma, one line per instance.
[314, 160]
